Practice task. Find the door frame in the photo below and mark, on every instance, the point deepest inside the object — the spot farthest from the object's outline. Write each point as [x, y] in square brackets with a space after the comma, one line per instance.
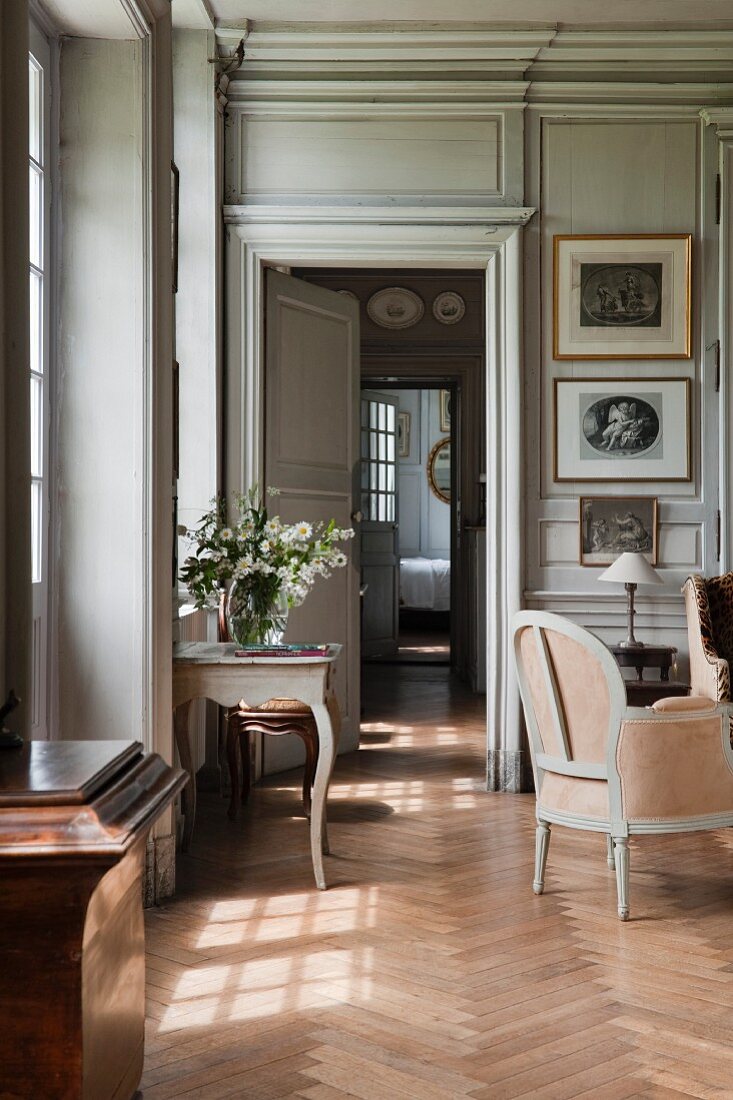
[489, 240]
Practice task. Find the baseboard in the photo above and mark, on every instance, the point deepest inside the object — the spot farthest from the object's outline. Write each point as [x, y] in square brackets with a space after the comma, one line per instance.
[504, 770]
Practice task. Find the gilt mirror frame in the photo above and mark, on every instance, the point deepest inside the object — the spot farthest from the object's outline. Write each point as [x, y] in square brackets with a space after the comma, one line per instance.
[441, 494]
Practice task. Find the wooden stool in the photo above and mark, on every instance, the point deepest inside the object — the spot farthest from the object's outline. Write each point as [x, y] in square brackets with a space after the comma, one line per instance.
[276, 718]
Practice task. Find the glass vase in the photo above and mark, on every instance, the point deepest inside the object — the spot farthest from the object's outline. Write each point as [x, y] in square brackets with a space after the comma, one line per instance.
[254, 616]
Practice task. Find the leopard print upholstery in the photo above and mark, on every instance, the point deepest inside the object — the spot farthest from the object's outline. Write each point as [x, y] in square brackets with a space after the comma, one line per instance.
[714, 603]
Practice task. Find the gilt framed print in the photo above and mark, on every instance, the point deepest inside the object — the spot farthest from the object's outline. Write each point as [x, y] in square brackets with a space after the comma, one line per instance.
[622, 297]
[610, 526]
[403, 435]
[622, 429]
[445, 410]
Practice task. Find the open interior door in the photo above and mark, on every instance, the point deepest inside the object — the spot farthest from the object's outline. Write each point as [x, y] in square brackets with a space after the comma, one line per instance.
[379, 531]
[312, 378]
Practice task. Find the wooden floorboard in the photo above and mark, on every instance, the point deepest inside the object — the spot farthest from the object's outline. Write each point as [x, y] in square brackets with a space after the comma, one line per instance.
[429, 969]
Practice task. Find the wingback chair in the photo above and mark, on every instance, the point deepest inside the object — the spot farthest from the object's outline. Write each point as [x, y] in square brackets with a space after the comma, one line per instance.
[709, 609]
[601, 765]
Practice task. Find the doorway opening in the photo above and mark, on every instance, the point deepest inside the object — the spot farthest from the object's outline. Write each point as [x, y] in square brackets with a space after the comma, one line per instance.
[409, 497]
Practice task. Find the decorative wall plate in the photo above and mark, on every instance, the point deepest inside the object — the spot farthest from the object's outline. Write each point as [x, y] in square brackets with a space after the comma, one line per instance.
[395, 307]
[449, 307]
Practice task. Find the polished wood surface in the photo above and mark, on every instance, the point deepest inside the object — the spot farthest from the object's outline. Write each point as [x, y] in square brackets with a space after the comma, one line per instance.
[646, 656]
[73, 825]
[429, 969]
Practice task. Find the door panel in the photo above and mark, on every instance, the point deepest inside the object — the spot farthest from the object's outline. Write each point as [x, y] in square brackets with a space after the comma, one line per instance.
[379, 530]
[311, 456]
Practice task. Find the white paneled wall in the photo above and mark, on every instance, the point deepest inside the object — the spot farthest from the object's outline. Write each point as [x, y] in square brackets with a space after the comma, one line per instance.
[424, 520]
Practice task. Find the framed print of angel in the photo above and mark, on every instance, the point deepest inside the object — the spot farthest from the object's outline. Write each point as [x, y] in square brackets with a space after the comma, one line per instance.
[622, 429]
[622, 297]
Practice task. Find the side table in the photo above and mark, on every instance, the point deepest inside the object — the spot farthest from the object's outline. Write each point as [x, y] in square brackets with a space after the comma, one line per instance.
[641, 692]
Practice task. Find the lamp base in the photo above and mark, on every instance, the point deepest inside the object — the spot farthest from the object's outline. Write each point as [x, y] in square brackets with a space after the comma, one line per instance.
[631, 645]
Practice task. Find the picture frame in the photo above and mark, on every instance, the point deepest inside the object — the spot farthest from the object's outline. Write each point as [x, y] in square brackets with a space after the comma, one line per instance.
[622, 429]
[445, 410]
[403, 435]
[622, 296]
[610, 525]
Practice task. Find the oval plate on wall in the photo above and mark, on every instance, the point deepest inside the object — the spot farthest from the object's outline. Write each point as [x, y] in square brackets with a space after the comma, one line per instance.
[395, 307]
[448, 308]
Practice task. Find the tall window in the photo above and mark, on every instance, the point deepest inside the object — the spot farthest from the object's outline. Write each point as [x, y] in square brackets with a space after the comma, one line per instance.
[39, 203]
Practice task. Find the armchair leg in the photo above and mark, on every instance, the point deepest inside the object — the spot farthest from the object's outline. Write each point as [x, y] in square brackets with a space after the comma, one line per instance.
[622, 875]
[542, 844]
[609, 851]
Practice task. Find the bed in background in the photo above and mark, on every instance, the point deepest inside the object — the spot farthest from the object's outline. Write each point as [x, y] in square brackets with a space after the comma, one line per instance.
[425, 584]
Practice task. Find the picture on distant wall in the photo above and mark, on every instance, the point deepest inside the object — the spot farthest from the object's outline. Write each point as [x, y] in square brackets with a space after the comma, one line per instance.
[403, 435]
[610, 526]
[445, 410]
[622, 297]
[629, 429]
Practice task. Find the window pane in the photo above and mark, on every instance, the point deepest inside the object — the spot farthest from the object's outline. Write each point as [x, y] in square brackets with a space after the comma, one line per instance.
[390, 417]
[36, 530]
[36, 427]
[36, 317]
[35, 192]
[34, 111]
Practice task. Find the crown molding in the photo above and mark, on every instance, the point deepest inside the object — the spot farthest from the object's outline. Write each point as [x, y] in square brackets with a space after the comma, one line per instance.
[592, 93]
[377, 215]
[348, 94]
[721, 118]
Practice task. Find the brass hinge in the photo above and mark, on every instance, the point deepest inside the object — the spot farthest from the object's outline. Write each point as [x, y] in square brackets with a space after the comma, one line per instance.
[717, 199]
[718, 536]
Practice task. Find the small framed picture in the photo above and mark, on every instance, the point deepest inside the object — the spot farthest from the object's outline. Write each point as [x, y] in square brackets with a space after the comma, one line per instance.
[610, 526]
[622, 429]
[622, 297]
[445, 410]
[403, 435]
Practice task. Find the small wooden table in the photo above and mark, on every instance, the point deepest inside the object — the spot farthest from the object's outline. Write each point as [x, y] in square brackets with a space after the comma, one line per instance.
[641, 692]
[74, 818]
[210, 670]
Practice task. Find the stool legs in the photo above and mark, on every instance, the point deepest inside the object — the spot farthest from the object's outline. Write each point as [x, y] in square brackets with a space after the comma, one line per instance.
[238, 756]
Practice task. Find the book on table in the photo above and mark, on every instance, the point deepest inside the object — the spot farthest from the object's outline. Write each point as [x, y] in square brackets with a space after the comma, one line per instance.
[303, 649]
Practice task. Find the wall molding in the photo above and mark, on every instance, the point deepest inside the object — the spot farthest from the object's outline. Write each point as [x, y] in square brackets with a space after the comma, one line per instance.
[491, 218]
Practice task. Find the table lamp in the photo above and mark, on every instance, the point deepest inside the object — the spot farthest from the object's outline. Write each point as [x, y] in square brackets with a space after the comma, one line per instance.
[631, 569]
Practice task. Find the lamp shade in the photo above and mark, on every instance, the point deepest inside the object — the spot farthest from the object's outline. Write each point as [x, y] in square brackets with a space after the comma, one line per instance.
[631, 568]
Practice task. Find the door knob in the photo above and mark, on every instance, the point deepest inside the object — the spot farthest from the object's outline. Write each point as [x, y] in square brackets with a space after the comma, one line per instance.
[357, 517]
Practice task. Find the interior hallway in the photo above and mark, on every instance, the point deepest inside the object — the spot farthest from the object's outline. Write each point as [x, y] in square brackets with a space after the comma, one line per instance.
[429, 969]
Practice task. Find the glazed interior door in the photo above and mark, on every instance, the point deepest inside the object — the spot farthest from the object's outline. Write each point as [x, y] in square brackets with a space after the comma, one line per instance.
[379, 532]
[311, 455]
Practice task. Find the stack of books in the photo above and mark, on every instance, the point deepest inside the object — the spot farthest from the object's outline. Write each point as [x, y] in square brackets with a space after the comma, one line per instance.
[303, 649]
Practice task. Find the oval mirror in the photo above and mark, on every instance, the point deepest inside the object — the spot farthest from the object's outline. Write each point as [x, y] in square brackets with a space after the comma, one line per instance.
[439, 470]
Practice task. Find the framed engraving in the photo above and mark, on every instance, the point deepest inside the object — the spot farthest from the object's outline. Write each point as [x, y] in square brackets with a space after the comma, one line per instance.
[610, 526]
[622, 297]
[622, 429]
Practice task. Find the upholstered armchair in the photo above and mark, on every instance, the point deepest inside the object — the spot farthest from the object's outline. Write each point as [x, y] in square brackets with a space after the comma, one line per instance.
[709, 609]
[609, 768]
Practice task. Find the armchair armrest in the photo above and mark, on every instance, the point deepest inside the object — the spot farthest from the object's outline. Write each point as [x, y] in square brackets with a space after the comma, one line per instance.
[683, 704]
[675, 765]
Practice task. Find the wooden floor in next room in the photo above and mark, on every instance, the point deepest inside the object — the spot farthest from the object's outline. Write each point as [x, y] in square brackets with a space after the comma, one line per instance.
[429, 969]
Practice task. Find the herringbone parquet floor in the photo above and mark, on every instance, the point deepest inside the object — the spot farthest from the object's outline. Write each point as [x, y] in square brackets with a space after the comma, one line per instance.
[430, 970]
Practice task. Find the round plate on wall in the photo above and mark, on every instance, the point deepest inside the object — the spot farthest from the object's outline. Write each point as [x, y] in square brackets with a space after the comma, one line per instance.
[395, 307]
[449, 307]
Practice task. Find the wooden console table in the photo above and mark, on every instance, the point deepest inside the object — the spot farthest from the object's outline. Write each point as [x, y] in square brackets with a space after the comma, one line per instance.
[641, 692]
[74, 819]
[210, 670]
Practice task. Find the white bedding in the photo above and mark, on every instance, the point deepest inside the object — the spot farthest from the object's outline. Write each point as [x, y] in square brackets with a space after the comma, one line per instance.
[425, 583]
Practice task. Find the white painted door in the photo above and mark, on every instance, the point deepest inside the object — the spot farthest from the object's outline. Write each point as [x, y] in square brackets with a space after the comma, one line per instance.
[379, 532]
[312, 375]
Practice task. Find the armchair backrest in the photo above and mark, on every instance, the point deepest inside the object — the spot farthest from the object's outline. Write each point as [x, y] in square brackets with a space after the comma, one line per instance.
[572, 691]
[709, 611]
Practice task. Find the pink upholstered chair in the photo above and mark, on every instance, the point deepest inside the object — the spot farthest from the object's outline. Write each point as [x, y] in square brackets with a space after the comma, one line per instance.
[601, 765]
